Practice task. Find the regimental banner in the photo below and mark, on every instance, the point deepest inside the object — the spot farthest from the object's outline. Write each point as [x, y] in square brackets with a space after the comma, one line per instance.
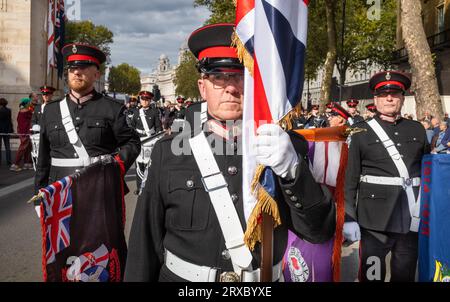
[82, 220]
[434, 241]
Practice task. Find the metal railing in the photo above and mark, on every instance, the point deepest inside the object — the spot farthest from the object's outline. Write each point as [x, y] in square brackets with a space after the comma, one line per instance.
[437, 42]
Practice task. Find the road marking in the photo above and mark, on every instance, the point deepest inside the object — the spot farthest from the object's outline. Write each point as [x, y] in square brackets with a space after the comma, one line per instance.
[13, 188]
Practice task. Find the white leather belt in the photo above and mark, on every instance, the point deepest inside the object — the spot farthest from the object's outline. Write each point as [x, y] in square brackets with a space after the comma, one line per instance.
[74, 162]
[198, 273]
[391, 181]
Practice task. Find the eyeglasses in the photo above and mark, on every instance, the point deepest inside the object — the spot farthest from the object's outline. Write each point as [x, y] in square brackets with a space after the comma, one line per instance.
[222, 79]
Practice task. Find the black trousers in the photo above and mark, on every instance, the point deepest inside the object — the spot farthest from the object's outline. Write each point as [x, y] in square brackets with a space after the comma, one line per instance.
[374, 246]
[5, 139]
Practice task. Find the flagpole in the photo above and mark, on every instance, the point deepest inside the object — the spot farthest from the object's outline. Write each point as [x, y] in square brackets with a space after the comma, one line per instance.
[46, 43]
[267, 248]
[54, 33]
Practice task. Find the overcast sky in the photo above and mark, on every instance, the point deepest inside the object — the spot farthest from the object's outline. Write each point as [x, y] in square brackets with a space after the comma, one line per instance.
[145, 29]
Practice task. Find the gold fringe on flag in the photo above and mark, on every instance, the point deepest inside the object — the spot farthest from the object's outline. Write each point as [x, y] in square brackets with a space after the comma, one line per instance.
[242, 52]
[265, 204]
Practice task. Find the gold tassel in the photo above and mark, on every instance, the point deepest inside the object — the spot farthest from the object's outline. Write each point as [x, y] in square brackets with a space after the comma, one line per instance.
[242, 53]
[265, 204]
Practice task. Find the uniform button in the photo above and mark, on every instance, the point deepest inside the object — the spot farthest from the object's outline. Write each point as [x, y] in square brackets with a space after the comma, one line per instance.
[232, 170]
[79, 106]
[399, 145]
[377, 141]
[77, 170]
[190, 183]
[75, 154]
[373, 195]
[414, 139]
[234, 197]
[77, 118]
[396, 133]
[298, 205]
[401, 155]
[97, 124]
[77, 128]
[288, 192]
[294, 198]
[226, 255]
[56, 126]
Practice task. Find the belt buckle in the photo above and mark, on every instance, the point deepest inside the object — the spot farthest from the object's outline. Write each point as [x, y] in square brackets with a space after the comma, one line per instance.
[407, 182]
[229, 277]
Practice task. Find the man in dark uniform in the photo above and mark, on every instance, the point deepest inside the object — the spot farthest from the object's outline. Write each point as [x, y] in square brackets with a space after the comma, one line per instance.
[147, 122]
[316, 120]
[130, 110]
[371, 110]
[84, 126]
[382, 183]
[352, 109]
[47, 95]
[338, 115]
[179, 113]
[177, 232]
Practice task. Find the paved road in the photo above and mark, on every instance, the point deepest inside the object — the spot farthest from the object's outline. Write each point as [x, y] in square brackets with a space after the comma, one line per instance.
[20, 236]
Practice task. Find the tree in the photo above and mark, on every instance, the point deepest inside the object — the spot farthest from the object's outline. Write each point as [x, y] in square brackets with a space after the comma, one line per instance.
[330, 61]
[124, 79]
[222, 11]
[420, 59]
[367, 41]
[86, 32]
[186, 76]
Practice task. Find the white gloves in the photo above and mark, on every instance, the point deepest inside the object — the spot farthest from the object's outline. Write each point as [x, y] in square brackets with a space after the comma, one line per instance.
[36, 128]
[274, 149]
[38, 211]
[351, 231]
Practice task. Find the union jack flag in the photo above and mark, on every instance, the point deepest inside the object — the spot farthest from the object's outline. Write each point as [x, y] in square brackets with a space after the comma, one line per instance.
[60, 22]
[273, 36]
[57, 203]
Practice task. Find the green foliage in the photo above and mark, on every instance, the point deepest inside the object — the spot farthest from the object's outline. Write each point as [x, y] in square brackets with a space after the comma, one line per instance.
[124, 79]
[186, 76]
[87, 32]
[221, 10]
[365, 41]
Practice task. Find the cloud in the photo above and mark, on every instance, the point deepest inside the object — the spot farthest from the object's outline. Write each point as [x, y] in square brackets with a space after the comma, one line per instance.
[145, 29]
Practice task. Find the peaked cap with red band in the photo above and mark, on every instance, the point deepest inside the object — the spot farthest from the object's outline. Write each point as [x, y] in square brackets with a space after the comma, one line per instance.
[371, 107]
[339, 110]
[352, 103]
[145, 94]
[389, 81]
[211, 45]
[83, 55]
[47, 89]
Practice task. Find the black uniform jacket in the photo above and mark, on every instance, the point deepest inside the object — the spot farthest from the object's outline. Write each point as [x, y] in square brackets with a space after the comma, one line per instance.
[101, 126]
[152, 117]
[382, 207]
[174, 212]
[37, 115]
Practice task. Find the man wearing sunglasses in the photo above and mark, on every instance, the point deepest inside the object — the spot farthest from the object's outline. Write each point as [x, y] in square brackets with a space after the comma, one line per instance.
[383, 181]
[190, 217]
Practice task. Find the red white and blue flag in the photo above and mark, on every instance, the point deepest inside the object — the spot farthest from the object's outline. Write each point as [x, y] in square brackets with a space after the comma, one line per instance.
[57, 200]
[51, 35]
[82, 220]
[273, 33]
[60, 21]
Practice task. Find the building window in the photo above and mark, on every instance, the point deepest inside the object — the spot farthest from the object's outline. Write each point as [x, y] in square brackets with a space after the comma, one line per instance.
[440, 18]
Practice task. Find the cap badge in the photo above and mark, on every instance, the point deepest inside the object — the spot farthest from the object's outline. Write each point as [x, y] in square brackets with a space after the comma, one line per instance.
[74, 49]
[388, 76]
